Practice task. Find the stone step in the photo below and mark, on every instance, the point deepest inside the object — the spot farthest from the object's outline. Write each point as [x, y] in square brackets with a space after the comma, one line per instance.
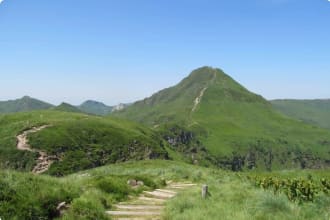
[148, 206]
[182, 184]
[137, 218]
[176, 187]
[154, 200]
[134, 213]
[166, 191]
[140, 207]
[159, 195]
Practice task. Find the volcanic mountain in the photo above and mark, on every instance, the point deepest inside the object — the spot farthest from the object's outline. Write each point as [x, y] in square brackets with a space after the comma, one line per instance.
[210, 114]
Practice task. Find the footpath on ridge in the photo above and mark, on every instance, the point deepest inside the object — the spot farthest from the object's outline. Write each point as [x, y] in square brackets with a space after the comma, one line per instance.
[44, 161]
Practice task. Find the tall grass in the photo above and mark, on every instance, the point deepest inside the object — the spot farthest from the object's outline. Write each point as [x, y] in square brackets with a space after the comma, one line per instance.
[233, 197]
[90, 193]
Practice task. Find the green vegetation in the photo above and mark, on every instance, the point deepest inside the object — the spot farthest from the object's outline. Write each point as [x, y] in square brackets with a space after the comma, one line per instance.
[90, 193]
[315, 112]
[301, 190]
[22, 105]
[211, 117]
[80, 141]
[65, 107]
[95, 108]
[235, 196]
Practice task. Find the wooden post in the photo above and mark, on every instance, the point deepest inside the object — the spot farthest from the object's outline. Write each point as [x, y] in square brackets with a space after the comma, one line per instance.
[204, 191]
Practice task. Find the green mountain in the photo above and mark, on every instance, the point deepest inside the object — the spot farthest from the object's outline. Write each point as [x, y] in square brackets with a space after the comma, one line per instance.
[210, 117]
[316, 112]
[96, 108]
[65, 107]
[22, 105]
[67, 142]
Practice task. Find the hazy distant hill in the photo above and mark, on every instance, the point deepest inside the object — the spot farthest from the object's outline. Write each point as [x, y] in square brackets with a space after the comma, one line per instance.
[96, 108]
[209, 112]
[23, 104]
[316, 112]
[67, 108]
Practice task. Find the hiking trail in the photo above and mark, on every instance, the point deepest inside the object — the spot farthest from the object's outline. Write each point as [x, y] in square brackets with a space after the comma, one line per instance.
[44, 161]
[149, 205]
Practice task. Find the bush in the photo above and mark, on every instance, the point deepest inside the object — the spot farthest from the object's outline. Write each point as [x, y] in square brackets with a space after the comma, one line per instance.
[86, 208]
[117, 187]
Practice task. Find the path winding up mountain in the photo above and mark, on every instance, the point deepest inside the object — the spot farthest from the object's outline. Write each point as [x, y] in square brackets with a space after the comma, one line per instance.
[198, 99]
[150, 205]
[44, 161]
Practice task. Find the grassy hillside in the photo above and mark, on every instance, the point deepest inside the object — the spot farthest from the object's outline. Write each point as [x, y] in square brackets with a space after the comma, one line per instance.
[316, 112]
[65, 107]
[22, 105]
[210, 114]
[90, 193]
[95, 108]
[79, 141]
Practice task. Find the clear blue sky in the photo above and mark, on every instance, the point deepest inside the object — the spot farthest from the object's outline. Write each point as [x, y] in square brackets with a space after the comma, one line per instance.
[123, 50]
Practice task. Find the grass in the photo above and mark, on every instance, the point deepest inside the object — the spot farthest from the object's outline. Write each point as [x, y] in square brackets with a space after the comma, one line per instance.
[232, 196]
[90, 193]
[81, 141]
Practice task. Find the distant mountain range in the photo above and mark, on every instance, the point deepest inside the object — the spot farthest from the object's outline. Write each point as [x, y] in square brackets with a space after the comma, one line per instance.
[24, 104]
[96, 108]
[316, 112]
[27, 103]
[65, 107]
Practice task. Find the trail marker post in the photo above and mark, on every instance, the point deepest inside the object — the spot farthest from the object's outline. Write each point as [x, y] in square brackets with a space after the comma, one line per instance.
[204, 191]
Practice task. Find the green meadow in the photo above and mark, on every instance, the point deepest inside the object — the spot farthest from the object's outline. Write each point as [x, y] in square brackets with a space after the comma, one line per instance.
[90, 193]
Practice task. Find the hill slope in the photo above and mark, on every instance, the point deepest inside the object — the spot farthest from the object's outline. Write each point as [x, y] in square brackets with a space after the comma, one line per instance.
[65, 107]
[209, 112]
[96, 108]
[316, 112]
[75, 141]
[23, 104]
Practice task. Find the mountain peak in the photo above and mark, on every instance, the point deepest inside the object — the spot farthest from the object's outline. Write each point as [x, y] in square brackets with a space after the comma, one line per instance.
[95, 107]
[205, 87]
[26, 97]
[93, 102]
[26, 103]
[66, 107]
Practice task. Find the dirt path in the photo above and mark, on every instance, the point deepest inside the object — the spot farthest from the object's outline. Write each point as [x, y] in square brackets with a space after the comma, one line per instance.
[150, 205]
[198, 99]
[44, 161]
